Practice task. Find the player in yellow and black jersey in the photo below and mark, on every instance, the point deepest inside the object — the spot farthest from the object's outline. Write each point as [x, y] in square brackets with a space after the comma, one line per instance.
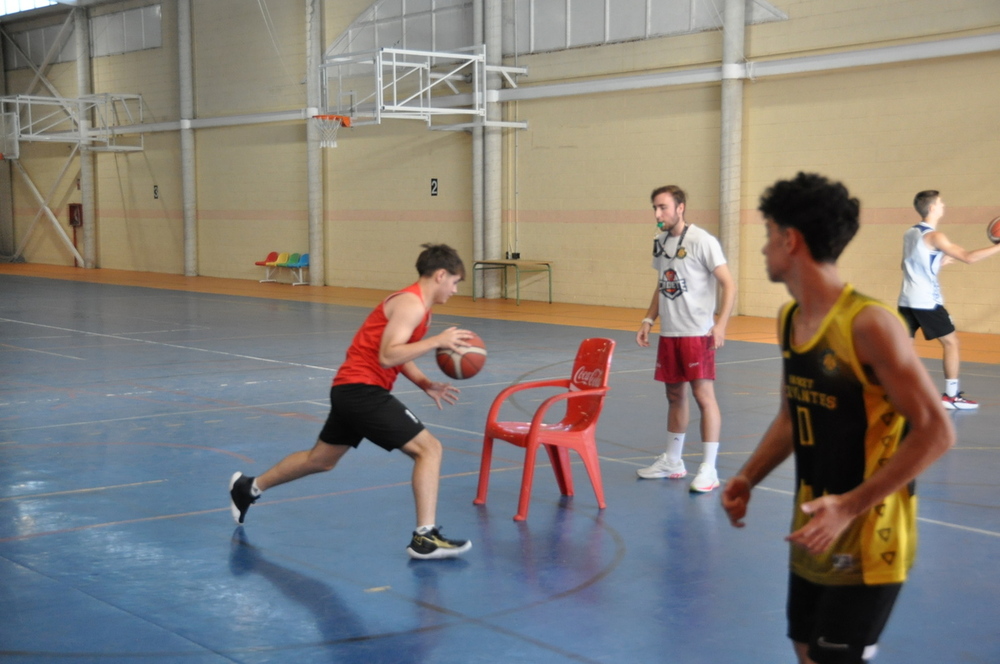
[844, 428]
[861, 416]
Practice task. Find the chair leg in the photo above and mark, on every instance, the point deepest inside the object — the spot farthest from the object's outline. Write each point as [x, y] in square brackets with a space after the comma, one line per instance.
[559, 456]
[527, 477]
[593, 466]
[484, 472]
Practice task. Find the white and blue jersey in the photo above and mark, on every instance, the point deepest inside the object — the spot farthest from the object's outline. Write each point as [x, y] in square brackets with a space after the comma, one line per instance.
[921, 265]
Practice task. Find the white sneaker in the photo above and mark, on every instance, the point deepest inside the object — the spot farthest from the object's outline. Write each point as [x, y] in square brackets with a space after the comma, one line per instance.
[706, 479]
[958, 402]
[663, 467]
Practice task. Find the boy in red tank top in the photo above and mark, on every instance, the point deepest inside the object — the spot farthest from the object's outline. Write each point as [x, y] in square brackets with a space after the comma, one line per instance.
[362, 405]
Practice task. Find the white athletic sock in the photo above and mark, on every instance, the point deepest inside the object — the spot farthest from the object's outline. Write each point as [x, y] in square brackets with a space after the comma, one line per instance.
[711, 451]
[951, 387]
[675, 445]
[423, 530]
[254, 489]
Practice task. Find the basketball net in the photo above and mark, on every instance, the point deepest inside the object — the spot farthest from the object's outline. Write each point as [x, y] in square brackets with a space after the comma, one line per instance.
[329, 125]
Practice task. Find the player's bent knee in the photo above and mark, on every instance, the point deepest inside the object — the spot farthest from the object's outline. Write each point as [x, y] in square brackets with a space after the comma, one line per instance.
[324, 457]
[424, 446]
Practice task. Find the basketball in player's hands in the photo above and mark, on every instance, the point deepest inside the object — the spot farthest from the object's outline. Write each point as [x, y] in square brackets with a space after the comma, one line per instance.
[465, 362]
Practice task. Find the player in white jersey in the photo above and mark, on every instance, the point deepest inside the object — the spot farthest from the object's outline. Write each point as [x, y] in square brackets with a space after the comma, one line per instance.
[925, 251]
[689, 264]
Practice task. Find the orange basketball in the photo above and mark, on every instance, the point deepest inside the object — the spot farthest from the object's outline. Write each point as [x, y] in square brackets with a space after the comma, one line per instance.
[993, 230]
[464, 362]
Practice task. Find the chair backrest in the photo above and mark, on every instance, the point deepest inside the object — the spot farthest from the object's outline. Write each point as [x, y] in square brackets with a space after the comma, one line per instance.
[292, 261]
[303, 261]
[273, 256]
[282, 258]
[590, 369]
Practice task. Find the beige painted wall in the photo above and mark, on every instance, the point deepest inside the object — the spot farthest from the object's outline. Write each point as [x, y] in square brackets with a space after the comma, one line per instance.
[887, 132]
[577, 182]
[584, 172]
[379, 207]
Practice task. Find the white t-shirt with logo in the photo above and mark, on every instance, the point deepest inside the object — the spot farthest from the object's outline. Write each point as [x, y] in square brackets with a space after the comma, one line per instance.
[686, 283]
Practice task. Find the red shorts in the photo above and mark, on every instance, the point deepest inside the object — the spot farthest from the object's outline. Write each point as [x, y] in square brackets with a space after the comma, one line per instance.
[684, 359]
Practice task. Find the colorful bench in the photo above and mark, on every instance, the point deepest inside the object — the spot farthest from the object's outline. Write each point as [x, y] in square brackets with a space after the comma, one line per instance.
[295, 263]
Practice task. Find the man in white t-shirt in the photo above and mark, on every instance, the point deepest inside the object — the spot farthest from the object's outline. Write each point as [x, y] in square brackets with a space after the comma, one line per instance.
[689, 264]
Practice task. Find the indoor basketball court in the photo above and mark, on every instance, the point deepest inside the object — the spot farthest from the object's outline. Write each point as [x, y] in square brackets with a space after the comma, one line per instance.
[126, 409]
[202, 200]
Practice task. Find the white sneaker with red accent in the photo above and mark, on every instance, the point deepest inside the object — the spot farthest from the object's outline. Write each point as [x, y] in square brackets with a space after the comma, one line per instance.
[706, 479]
[663, 467]
[958, 402]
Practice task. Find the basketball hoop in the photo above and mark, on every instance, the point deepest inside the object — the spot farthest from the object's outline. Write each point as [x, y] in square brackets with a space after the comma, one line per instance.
[329, 125]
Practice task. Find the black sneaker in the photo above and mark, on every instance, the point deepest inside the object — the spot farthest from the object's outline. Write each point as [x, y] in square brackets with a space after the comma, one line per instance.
[240, 497]
[432, 545]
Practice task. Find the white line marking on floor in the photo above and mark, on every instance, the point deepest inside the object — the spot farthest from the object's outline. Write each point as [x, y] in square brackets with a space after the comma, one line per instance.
[160, 343]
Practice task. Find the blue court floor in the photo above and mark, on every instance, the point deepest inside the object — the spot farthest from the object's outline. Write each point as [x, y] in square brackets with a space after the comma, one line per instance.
[124, 411]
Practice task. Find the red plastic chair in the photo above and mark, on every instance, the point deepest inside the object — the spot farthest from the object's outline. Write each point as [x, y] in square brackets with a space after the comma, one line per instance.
[584, 400]
[271, 257]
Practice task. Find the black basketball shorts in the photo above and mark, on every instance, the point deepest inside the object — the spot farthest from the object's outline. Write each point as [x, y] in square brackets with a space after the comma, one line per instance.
[368, 411]
[841, 624]
[934, 322]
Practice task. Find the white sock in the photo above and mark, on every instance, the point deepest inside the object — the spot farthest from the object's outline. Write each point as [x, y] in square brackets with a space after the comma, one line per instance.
[254, 489]
[711, 451]
[423, 530]
[951, 387]
[675, 445]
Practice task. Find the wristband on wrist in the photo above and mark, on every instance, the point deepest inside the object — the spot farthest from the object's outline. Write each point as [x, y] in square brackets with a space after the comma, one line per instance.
[648, 320]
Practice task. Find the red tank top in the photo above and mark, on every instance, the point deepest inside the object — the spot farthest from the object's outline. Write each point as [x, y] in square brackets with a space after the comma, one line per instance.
[361, 364]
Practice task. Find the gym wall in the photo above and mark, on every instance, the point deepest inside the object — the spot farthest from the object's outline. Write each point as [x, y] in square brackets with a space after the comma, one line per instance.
[577, 181]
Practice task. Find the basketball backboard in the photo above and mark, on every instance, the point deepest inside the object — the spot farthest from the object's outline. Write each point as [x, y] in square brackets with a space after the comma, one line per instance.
[396, 83]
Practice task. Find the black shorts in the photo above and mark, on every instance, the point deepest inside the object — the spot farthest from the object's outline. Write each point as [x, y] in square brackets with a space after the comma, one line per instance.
[934, 322]
[368, 411]
[841, 624]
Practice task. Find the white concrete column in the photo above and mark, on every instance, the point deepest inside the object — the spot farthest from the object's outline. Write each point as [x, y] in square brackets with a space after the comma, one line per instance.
[189, 186]
[492, 151]
[731, 158]
[477, 159]
[81, 34]
[314, 153]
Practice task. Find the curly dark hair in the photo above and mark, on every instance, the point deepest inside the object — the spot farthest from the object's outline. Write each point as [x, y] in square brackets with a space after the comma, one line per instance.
[823, 211]
[437, 256]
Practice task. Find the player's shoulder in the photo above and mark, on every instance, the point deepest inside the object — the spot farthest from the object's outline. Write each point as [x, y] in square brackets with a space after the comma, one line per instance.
[935, 237]
[870, 316]
[402, 302]
[698, 231]
[697, 235]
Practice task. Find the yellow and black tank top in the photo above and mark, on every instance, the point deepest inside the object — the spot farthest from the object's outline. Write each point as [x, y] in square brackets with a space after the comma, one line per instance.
[844, 429]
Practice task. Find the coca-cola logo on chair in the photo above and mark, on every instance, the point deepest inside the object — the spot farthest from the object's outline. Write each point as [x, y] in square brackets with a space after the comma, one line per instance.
[588, 377]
